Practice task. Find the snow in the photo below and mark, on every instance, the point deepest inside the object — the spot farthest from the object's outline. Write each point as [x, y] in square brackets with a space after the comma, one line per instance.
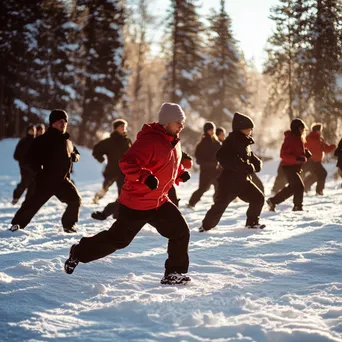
[281, 284]
[104, 91]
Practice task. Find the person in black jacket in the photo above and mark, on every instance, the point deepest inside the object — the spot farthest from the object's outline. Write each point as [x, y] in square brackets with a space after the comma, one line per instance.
[51, 156]
[338, 154]
[113, 148]
[238, 163]
[205, 154]
[20, 155]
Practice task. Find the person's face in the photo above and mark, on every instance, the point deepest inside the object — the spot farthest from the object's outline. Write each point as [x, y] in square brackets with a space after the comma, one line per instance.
[32, 131]
[210, 132]
[40, 131]
[121, 129]
[247, 131]
[61, 125]
[174, 128]
[221, 136]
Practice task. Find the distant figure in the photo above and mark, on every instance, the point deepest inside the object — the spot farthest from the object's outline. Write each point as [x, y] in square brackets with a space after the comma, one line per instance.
[221, 134]
[20, 155]
[51, 156]
[113, 148]
[238, 163]
[151, 166]
[338, 154]
[40, 129]
[318, 147]
[186, 161]
[293, 156]
[205, 154]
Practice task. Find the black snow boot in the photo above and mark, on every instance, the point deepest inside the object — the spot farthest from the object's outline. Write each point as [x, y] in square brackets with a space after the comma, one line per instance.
[98, 215]
[175, 278]
[71, 263]
[271, 205]
[297, 208]
[70, 230]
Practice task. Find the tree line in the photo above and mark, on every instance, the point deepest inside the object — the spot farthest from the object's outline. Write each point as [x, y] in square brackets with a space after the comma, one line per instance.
[95, 59]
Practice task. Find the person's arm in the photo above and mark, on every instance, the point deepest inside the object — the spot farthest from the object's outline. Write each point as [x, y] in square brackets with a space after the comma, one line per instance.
[326, 148]
[257, 162]
[75, 155]
[18, 151]
[135, 162]
[338, 151]
[98, 151]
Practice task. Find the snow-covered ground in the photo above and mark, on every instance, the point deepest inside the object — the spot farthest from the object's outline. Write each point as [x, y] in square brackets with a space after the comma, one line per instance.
[277, 285]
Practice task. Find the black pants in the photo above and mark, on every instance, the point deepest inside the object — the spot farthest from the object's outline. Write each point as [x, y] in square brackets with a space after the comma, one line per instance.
[294, 187]
[108, 182]
[64, 190]
[257, 181]
[27, 176]
[208, 177]
[173, 195]
[227, 191]
[168, 221]
[280, 180]
[317, 174]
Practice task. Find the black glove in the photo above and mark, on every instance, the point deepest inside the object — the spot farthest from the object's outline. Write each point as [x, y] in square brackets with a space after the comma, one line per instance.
[152, 182]
[300, 159]
[308, 154]
[185, 176]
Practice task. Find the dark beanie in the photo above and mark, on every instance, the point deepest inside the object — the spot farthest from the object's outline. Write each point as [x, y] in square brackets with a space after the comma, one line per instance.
[208, 126]
[316, 126]
[58, 114]
[119, 122]
[241, 121]
[296, 126]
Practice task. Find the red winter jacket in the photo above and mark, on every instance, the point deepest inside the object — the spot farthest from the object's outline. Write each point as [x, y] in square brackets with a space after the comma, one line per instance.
[293, 147]
[153, 153]
[318, 146]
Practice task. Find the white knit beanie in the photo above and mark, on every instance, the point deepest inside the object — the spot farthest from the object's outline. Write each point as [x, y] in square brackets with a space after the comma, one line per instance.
[170, 112]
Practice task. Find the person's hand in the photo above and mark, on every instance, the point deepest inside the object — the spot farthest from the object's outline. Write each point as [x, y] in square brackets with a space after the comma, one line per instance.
[185, 176]
[152, 182]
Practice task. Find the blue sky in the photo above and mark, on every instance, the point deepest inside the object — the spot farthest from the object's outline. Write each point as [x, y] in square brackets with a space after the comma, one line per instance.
[250, 22]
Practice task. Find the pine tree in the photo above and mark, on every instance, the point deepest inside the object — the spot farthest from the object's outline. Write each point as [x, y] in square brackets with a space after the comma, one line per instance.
[225, 86]
[103, 76]
[184, 72]
[287, 62]
[325, 55]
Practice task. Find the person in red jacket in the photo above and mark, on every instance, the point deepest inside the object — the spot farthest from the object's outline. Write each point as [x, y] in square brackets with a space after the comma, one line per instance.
[151, 166]
[318, 147]
[293, 155]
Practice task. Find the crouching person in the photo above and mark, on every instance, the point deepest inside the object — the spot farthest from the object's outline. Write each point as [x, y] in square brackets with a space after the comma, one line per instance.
[151, 166]
[238, 163]
[50, 157]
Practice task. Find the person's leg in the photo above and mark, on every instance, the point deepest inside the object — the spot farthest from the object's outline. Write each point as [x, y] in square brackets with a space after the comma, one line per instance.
[285, 192]
[31, 205]
[255, 197]
[226, 193]
[173, 195]
[297, 186]
[67, 193]
[107, 183]
[321, 174]
[205, 181]
[280, 180]
[309, 175]
[119, 236]
[26, 178]
[257, 181]
[171, 224]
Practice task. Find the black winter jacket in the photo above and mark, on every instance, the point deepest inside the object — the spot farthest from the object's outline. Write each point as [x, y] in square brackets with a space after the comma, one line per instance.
[114, 148]
[22, 149]
[236, 156]
[52, 155]
[205, 152]
[338, 154]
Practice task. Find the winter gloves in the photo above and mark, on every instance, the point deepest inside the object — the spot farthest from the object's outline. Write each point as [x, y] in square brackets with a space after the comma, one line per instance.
[308, 154]
[185, 176]
[152, 182]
